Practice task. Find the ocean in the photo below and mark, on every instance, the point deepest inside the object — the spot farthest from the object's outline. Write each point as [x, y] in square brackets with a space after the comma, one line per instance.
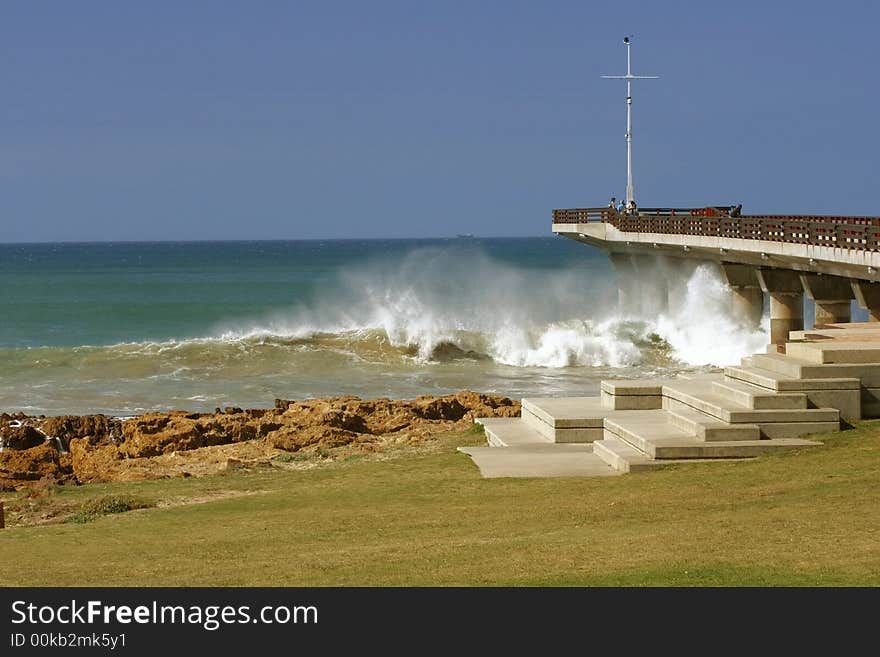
[125, 328]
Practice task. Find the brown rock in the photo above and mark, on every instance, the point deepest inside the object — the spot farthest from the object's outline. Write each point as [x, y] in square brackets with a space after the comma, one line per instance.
[293, 439]
[42, 461]
[94, 462]
[104, 449]
[20, 437]
[331, 412]
[68, 427]
[162, 433]
[154, 433]
[265, 428]
[440, 408]
[481, 405]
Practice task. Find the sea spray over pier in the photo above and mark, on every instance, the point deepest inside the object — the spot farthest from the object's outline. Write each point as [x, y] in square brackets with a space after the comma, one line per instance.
[397, 318]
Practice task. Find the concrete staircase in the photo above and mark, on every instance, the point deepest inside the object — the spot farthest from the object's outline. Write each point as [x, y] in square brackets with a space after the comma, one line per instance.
[767, 403]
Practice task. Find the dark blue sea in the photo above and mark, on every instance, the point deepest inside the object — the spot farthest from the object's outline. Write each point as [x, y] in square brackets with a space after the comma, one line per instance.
[122, 328]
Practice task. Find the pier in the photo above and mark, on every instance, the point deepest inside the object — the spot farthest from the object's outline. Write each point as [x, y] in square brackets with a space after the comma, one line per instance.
[807, 382]
[832, 260]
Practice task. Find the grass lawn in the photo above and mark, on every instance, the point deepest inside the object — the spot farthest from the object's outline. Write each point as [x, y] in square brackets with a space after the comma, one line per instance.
[807, 517]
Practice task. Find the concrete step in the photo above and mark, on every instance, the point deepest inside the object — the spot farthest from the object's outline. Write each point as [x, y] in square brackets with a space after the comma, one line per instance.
[867, 373]
[510, 432]
[758, 398]
[707, 428]
[852, 332]
[779, 363]
[775, 381]
[631, 394]
[565, 419]
[622, 456]
[530, 419]
[790, 430]
[545, 460]
[832, 351]
[562, 435]
[647, 431]
[737, 449]
[649, 435]
[695, 395]
[567, 412]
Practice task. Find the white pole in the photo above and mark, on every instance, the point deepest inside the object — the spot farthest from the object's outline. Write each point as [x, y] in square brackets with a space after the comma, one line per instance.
[629, 77]
[629, 134]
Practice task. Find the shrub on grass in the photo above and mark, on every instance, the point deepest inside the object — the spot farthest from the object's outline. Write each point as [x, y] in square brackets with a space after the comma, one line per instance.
[291, 457]
[102, 506]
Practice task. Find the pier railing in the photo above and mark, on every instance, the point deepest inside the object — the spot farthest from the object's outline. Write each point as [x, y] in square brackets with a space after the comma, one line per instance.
[861, 233]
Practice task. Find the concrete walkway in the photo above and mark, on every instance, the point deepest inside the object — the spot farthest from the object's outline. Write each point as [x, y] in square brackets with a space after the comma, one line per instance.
[516, 450]
[539, 460]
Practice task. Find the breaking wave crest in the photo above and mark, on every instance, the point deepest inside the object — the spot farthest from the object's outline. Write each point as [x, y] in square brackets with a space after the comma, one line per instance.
[439, 305]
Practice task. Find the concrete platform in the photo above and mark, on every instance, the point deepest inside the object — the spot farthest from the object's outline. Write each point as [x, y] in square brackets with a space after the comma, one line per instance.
[632, 394]
[695, 394]
[834, 351]
[708, 429]
[843, 394]
[652, 434]
[784, 383]
[567, 412]
[797, 368]
[649, 387]
[566, 419]
[768, 403]
[855, 332]
[647, 431]
[623, 457]
[536, 460]
[510, 432]
[757, 397]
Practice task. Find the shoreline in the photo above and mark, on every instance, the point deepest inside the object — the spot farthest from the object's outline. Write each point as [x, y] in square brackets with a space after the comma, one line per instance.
[81, 449]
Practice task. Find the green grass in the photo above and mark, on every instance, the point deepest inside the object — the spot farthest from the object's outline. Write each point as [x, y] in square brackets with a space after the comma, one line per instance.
[804, 518]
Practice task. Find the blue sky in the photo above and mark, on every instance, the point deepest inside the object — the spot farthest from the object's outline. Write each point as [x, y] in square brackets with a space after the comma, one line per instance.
[263, 120]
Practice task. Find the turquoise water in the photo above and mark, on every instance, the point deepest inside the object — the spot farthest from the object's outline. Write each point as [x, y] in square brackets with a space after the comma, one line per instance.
[129, 327]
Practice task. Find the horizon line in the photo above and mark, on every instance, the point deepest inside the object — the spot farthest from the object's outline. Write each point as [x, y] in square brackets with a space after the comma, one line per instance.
[274, 239]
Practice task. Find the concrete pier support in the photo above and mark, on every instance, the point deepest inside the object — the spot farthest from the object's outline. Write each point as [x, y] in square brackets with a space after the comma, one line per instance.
[653, 285]
[627, 281]
[641, 287]
[868, 297]
[676, 272]
[832, 295]
[786, 314]
[748, 303]
[748, 298]
[832, 312]
[786, 303]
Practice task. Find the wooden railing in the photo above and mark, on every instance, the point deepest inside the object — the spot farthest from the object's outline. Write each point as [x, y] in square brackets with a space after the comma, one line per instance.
[861, 233]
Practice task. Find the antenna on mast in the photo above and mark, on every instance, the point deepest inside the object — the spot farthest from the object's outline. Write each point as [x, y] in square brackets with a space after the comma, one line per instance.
[629, 77]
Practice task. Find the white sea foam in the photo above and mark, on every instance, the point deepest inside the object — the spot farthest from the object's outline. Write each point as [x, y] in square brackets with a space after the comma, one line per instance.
[430, 299]
[531, 318]
[703, 329]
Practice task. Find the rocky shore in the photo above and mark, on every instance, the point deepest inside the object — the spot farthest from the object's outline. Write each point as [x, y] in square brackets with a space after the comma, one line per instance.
[96, 448]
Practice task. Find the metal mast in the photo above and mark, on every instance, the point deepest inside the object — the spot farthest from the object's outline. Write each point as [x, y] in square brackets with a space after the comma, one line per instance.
[629, 77]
